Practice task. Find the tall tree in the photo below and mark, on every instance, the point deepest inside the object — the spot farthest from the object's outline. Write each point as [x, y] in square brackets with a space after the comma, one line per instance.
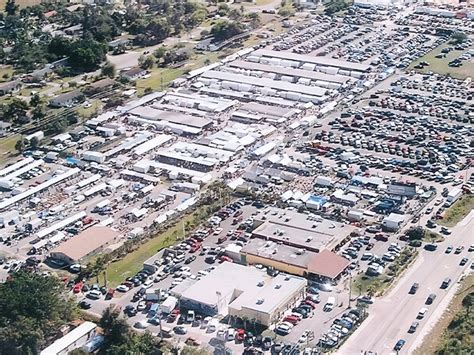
[20, 145]
[11, 7]
[108, 69]
[32, 309]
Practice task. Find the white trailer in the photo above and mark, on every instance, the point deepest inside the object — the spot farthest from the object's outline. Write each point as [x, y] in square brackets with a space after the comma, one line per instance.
[453, 196]
[168, 304]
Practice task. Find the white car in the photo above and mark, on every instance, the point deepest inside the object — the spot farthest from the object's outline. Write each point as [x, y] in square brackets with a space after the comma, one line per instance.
[217, 231]
[283, 329]
[141, 325]
[148, 283]
[122, 288]
[303, 338]
[141, 306]
[94, 294]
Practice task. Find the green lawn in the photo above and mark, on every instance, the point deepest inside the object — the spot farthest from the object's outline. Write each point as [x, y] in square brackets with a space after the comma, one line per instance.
[7, 146]
[440, 65]
[88, 112]
[5, 69]
[133, 262]
[159, 80]
[458, 211]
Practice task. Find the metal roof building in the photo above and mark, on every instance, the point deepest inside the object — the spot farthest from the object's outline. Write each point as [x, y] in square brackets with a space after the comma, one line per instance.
[72, 340]
[298, 73]
[244, 292]
[267, 83]
[302, 58]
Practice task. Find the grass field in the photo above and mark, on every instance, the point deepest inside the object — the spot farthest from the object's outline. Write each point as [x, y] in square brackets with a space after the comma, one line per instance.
[21, 3]
[133, 262]
[440, 66]
[5, 69]
[7, 146]
[450, 327]
[458, 211]
[159, 80]
[433, 237]
[88, 112]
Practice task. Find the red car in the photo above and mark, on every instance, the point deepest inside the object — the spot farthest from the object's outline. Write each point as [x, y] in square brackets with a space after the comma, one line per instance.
[78, 287]
[240, 335]
[195, 248]
[291, 319]
[222, 239]
[225, 258]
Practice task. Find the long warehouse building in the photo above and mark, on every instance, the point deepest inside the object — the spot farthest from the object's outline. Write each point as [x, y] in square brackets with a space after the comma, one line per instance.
[302, 58]
[297, 73]
[267, 83]
[33, 191]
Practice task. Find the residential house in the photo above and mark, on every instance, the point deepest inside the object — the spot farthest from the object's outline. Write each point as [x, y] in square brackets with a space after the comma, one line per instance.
[134, 73]
[9, 87]
[68, 99]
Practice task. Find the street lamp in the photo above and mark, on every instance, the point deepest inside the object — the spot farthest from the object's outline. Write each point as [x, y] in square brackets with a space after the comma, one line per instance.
[350, 289]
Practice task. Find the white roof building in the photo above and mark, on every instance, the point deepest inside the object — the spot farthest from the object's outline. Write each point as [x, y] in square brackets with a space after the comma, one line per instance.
[72, 340]
[244, 292]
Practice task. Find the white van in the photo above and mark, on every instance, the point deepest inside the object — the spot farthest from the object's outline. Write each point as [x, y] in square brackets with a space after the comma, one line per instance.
[329, 306]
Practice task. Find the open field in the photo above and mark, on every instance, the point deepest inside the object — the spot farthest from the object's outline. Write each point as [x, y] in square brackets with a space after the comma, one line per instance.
[5, 69]
[88, 112]
[22, 3]
[159, 80]
[454, 323]
[133, 262]
[440, 66]
[458, 211]
[7, 146]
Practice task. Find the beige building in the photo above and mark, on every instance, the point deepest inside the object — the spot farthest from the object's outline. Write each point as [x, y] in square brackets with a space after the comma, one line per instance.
[89, 242]
[244, 292]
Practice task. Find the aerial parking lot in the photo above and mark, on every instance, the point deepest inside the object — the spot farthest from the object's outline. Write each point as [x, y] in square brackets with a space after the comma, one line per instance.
[292, 198]
[447, 59]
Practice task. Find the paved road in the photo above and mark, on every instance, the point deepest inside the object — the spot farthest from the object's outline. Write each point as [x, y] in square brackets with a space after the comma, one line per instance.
[391, 316]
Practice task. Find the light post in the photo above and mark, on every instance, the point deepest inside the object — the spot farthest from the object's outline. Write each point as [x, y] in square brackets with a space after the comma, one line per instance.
[350, 289]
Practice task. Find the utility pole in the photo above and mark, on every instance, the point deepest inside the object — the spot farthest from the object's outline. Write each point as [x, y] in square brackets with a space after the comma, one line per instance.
[350, 289]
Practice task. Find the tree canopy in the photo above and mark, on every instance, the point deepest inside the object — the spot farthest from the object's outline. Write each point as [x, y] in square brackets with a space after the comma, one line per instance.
[120, 339]
[223, 30]
[32, 309]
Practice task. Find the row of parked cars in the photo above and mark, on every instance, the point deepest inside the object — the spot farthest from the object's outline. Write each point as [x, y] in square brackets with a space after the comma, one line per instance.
[303, 32]
[340, 328]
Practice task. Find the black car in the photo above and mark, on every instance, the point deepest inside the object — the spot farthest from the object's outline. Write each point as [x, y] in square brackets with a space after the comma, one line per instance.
[130, 310]
[414, 288]
[430, 299]
[84, 304]
[248, 341]
[267, 343]
[190, 259]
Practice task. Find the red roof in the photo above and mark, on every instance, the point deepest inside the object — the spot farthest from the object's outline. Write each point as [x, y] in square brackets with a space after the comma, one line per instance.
[328, 264]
